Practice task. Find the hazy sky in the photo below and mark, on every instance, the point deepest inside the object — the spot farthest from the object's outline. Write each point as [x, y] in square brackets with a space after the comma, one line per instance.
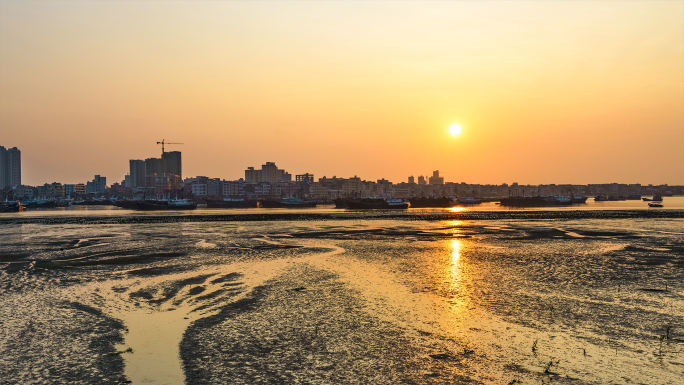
[546, 91]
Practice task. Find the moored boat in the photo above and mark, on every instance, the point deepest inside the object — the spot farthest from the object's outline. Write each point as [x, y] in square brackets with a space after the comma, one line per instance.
[377, 204]
[156, 205]
[578, 199]
[11, 207]
[656, 198]
[230, 203]
[289, 203]
[469, 200]
[341, 203]
[432, 202]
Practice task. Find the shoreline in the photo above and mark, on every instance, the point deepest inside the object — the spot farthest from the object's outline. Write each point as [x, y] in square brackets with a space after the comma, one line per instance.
[365, 215]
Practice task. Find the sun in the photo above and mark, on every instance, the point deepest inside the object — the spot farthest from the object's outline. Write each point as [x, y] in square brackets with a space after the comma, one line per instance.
[455, 129]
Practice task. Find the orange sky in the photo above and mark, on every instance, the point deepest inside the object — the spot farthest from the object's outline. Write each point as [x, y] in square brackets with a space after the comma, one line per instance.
[546, 92]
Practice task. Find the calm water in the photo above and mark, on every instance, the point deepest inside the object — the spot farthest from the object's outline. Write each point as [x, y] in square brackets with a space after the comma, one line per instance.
[363, 301]
[669, 203]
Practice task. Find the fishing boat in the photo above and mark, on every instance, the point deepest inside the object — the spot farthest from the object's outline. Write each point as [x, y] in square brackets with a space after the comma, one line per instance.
[656, 198]
[341, 203]
[559, 200]
[11, 207]
[469, 200]
[377, 204]
[230, 203]
[158, 205]
[524, 201]
[289, 203]
[655, 204]
[432, 202]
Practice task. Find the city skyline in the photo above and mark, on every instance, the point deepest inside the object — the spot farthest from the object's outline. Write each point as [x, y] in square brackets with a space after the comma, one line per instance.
[545, 93]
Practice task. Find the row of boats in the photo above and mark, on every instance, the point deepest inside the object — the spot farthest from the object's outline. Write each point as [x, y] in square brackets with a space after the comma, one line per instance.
[340, 203]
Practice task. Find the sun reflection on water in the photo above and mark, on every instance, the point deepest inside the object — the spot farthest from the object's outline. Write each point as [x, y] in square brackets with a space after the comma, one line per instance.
[455, 260]
[457, 209]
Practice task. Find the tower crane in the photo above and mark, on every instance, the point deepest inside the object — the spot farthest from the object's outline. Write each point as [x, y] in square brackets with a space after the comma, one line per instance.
[162, 156]
[163, 143]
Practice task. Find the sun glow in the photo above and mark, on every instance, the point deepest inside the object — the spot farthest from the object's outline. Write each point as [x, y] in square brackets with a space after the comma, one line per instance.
[455, 129]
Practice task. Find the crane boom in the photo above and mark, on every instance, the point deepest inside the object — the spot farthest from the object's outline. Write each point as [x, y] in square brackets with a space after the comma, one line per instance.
[163, 143]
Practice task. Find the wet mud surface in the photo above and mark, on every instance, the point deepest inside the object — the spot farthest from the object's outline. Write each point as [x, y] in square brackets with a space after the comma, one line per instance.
[180, 217]
[580, 301]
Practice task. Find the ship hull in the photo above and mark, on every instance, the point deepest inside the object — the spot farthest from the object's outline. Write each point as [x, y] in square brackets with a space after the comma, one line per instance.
[432, 202]
[375, 204]
[162, 206]
[273, 204]
[221, 204]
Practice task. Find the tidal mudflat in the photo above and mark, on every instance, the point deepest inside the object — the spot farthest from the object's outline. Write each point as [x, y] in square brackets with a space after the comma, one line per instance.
[403, 299]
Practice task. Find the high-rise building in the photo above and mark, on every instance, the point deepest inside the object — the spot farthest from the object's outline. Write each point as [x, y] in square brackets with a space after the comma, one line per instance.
[421, 179]
[153, 166]
[411, 179]
[172, 163]
[269, 173]
[137, 173]
[252, 175]
[436, 179]
[10, 167]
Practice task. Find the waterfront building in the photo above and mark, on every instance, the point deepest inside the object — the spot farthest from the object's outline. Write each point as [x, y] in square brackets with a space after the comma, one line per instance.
[252, 175]
[153, 166]
[137, 173]
[229, 188]
[117, 188]
[97, 185]
[10, 167]
[411, 179]
[163, 184]
[435, 178]
[52, 190]
[319, 191]
[421, 179]
[269, 173]
[172, 163]
[305, 177]
[352, 186]
[69, 189]
[214, 187]
[199, 189]
[24, 192]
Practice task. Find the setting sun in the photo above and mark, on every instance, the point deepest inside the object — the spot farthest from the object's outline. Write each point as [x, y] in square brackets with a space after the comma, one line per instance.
[455, 129]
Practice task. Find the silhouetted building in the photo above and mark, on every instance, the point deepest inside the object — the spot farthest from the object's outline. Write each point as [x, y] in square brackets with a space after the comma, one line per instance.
[411, 179]
[153, 166]
[172, 163]
[305, 177]
[435, 178]
[269, 173]
[421, 179]
[10, 167]
[137, 173]
[252, 175]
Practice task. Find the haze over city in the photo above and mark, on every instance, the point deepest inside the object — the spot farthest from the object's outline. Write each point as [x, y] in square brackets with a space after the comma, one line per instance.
[545, 92]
